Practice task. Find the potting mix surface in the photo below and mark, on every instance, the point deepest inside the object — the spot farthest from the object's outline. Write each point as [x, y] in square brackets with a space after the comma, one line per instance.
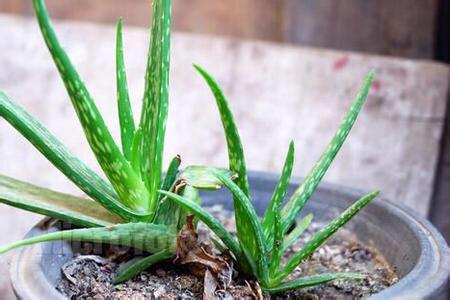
[91, 276]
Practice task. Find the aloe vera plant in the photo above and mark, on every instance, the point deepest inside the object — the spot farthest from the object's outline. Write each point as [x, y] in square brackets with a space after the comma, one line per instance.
[261, 242]
[127, 210]
[142, 207]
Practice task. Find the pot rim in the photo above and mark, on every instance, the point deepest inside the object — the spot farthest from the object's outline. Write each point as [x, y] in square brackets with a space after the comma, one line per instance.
[428, 276]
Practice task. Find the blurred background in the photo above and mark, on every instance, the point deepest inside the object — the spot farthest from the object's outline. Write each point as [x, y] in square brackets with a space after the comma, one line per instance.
[290, 68]
[406, 28]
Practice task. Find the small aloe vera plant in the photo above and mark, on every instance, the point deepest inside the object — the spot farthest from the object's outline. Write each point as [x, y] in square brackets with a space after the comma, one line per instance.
[144, 208]
[263, 241]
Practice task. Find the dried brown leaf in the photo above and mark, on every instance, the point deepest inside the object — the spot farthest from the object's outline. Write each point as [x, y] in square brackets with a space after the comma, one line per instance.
[209, 286]
[197, 256]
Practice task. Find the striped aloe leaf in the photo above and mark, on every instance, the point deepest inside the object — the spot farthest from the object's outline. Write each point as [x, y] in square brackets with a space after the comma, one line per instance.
[135, 266]
[235, 150]
[135, 157]
[175, 215]
[307, 188]
[192, 179]
[86, 179]
[156, 101]
[314, 280]
[319, 238]
[191, 193]
[131, 190]
[277, 234]
[296, 232]
[248, 227]
[142, 236]
[171, 174]
[75, 210]
[279, 193]
[204, 178]
[127, 128]
[168, 211]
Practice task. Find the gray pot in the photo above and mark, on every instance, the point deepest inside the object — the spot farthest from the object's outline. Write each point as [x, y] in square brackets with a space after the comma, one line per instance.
[410, 243]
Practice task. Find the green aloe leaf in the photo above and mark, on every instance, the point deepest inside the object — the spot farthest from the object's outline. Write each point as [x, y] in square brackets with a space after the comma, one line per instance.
[131, 190]
[221, 232]
[296, 232]
[86, 179]
[127, 127]
[75, 210]
[279, 193]
[235, 150]
[319, 238]
[277, 252]
[135, 266]
[272, 218]
[174, 214]
[307, 188]
[171, 174]
[280, 245]
[142, 236]
[192, 179]
[204, 178]
[309, 281]
[135, 158]
[192, 195]
[156, 100]
[169, 212]
[248, 227]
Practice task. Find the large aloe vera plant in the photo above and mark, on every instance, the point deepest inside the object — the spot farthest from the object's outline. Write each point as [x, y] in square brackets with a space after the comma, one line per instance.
[127, 210]
[142, 207]
[261, 242]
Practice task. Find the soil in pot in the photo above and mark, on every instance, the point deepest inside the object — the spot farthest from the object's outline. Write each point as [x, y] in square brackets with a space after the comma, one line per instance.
[91, 276]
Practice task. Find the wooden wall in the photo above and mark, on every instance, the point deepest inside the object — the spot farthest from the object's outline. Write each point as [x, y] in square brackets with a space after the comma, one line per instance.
[401, 27]
[260, 19]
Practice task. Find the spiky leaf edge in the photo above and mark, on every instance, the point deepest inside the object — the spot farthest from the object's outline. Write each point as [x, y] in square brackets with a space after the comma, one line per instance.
[236, 155]
[75, 210]
[319, 238]
[248, 227]
[86, 179]
[131, 190]
[268, 221]
[142, 236]
[131, 268]
[307, 188]
[156, 100]
[126, 120]
[309, 281]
